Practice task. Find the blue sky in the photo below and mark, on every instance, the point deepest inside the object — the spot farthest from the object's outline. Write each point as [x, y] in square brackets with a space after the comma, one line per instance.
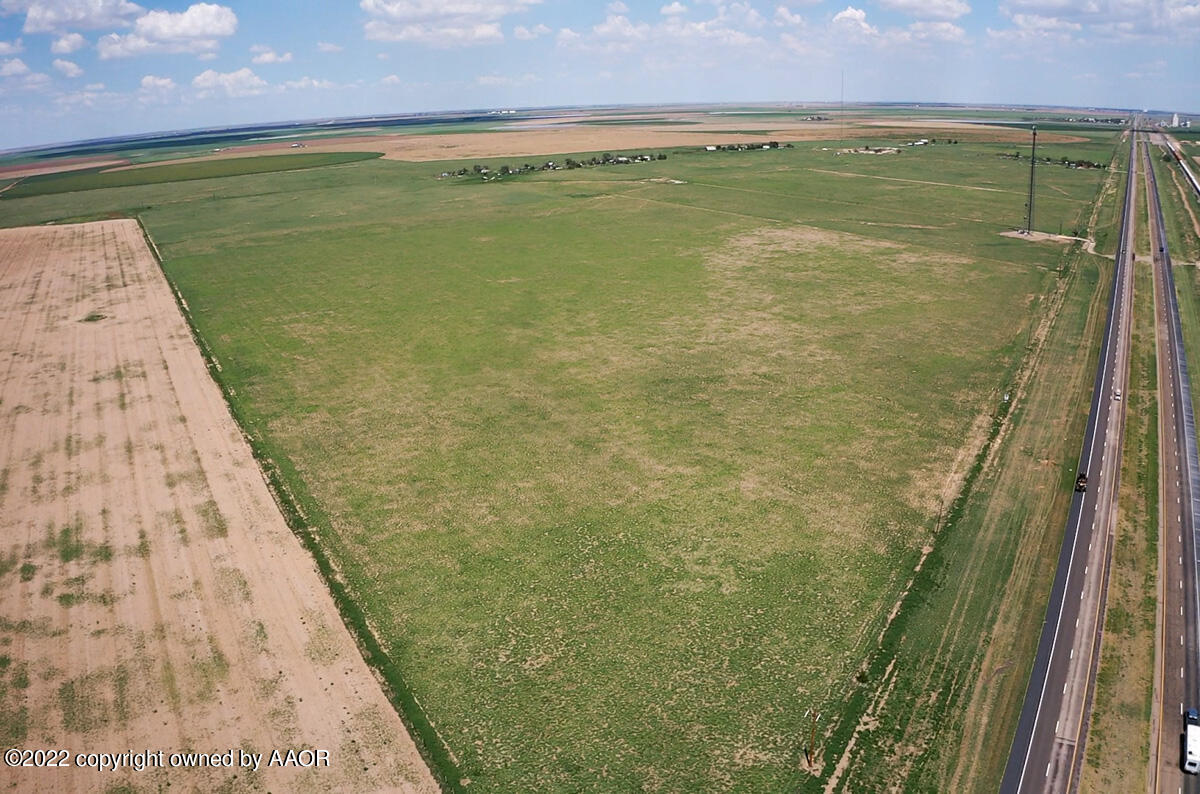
[73, 69]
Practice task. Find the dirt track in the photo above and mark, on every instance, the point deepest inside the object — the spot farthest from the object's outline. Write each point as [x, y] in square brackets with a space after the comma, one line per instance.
[57, 165]
[154, 598]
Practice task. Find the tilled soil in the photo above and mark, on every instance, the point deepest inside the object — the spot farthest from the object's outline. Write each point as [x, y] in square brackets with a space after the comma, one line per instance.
[154, 599]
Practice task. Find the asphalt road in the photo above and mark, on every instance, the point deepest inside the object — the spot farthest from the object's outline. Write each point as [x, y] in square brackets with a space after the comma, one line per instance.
[1178, 671]
[1046, 751]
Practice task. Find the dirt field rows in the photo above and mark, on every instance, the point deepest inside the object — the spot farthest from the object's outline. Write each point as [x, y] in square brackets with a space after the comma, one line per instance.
[154, 598]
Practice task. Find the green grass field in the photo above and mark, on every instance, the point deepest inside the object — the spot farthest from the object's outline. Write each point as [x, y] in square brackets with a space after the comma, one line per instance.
[626, 467]
[96, 179]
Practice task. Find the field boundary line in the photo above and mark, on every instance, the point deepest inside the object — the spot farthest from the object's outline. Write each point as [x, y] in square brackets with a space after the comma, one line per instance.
[434, 749]
[884, 652]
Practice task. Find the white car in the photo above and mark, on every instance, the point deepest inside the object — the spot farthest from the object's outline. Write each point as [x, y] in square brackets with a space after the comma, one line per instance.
[1117, 394]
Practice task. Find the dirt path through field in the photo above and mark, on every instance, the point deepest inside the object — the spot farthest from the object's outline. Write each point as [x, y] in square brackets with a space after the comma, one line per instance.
[154, 598]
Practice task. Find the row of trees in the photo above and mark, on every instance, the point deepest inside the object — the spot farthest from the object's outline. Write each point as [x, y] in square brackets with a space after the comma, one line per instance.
[742, 147]
[1066, 161]
[552, 165]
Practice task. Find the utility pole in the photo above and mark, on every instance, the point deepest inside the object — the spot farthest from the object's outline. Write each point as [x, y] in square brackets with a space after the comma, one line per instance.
[1032, 165]
[842, 135]
[810, 753]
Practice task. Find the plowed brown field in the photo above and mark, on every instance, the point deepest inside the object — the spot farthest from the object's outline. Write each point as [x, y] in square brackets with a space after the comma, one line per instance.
[153, 595]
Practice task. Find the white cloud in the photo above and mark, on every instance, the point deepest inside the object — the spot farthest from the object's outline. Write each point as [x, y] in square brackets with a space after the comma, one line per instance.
[201, 20]
[673, 9]
[91, 96]
[268, 55]
[156, 89]
[51, 16]
[439, 23]
[307, 84]
[928, 9]
[946, 32]
[157, 84]
[67, 68]
[619, 28]
[673, 37]
[508, 82]
[11, 47]
[325, 46]
[784, 17]
[392, 79]
[527, 34]
[13, 67]
[617, 7]
[241, 83]
[1120, 20]
[1036, 22]
[67, 44]
[195, 30]
[853, 21]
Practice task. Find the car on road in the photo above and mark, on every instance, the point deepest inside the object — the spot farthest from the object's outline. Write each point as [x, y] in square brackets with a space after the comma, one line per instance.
[1191, 742]
[1117, 395]
[1081, 483]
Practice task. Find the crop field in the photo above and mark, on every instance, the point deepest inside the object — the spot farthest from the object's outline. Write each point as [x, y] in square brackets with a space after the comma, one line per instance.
[67, 182]
[155, 599]
[629, 467]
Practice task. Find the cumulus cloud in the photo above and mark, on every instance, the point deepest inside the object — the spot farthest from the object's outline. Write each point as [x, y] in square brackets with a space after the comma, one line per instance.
[156, 89]
[853, 22]
[785, 17]
[325, 46]
[67, 68]
[439, 23]
[1041, 21]
[526, 34]
[90, 96]
[67, 44]
[195, 30]
[673, 9]
[52, 16]
[157, 84]
[730, 27]
[617, 7]
[928, 9]
[307, 84]
[11, 47]
[242, 83]
[506, 81]
[392, 79]
[936, 32]
[268, 55]
[13, 67]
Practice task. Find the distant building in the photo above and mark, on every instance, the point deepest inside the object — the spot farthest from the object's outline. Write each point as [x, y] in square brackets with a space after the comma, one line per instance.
[1175, 120]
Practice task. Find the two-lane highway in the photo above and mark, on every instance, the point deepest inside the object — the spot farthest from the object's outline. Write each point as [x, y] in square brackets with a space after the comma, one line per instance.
[1179, 488]
[1047, 750]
